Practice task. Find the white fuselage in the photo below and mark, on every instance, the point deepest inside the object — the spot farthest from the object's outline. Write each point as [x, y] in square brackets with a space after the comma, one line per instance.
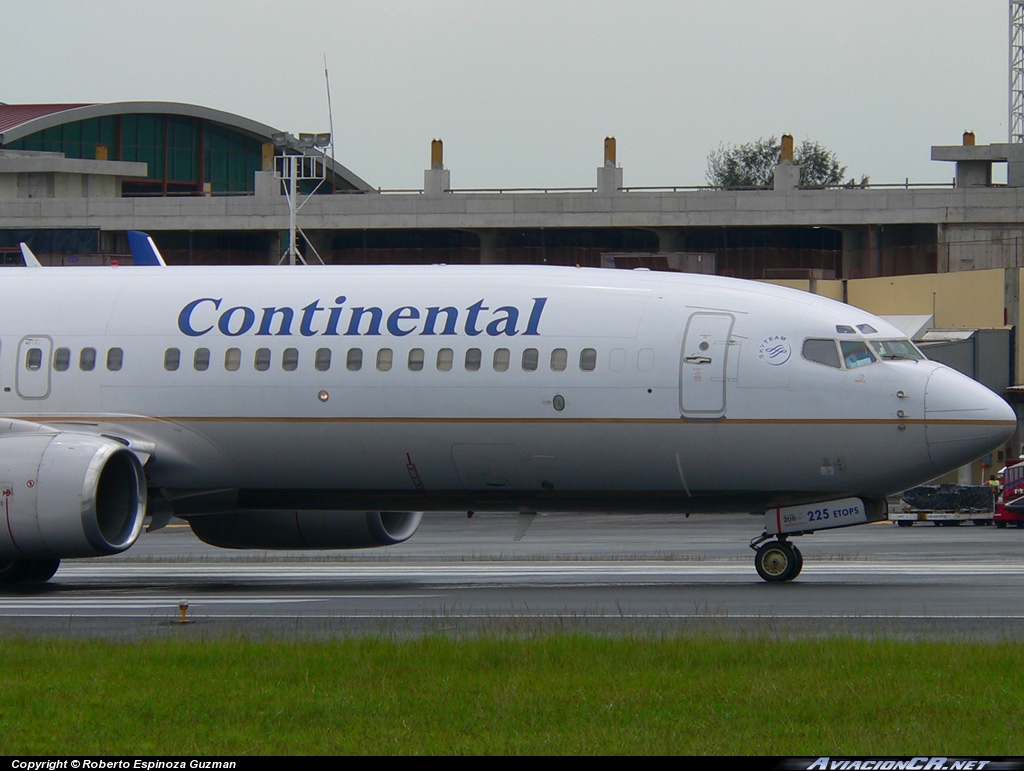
[506, 388]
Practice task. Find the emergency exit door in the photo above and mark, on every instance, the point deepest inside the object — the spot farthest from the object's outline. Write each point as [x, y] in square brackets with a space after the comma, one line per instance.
[33, 374]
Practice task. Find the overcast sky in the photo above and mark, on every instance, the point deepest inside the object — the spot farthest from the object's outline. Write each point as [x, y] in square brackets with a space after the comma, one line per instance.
[523, 92]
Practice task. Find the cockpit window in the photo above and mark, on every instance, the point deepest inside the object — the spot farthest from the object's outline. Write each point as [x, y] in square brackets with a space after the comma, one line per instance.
[867, 329]
[856, 354]
[844, 329]
[823, 352]
[896, 349]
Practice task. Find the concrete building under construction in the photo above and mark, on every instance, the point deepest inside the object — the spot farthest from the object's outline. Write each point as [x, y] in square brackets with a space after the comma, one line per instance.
[209, 187]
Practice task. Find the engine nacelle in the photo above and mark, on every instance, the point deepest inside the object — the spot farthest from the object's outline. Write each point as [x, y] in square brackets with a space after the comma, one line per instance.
[305, 529]
[64, 494]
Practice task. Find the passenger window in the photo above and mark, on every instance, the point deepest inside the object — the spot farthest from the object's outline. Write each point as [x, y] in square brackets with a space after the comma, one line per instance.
[501, 359]
[262, 361]
[290, 359]
[588, 359]
[445, 357]
[172, 359]
[416, 359]
[62, 359]
[232, 359]
[354, 360]
[33, 359]
[856, 354]
[472, 359]
[385, 356]
[530, 359]
[201, 359]
[87, 360]
[323, 359]
[559, 359]
[822, 352]
[115, 358]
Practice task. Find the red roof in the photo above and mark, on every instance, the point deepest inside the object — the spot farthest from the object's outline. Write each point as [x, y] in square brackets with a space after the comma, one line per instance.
[12, 115]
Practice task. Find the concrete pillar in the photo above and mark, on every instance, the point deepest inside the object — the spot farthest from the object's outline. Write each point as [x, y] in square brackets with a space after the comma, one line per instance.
[787, 176]
[670, 240]
[609, 176]
[492, 247]
[609, 181]
[1015, 165]
[437, 180]
[855, 252]
[974, 174]
[274, 246]
[266, 185]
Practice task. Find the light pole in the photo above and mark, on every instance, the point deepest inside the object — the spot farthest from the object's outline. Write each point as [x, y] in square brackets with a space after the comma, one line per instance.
[300, 159]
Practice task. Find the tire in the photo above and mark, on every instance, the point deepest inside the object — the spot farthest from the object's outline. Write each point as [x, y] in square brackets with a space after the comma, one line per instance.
[1000, 525]
[777, 561]
[799, 561]
[904, 522]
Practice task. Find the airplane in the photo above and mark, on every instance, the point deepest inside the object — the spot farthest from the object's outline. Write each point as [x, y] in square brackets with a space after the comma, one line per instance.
[330, 407]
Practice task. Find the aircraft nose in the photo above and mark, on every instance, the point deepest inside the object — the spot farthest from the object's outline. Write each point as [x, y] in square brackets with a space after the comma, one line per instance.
[963, 419]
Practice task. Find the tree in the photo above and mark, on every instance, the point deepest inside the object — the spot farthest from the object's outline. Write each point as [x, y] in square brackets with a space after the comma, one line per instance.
[753, 165]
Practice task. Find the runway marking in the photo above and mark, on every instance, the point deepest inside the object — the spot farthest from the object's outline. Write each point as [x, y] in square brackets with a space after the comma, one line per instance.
[171, 601]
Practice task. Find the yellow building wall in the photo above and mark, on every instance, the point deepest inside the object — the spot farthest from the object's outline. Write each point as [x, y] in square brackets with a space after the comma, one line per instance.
[966, 299]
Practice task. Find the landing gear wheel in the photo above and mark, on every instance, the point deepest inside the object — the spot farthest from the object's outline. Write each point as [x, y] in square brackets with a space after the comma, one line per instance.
[799, 561]
[778, 561]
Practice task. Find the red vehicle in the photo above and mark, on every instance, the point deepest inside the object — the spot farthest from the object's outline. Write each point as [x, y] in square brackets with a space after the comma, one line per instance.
[1010, 504]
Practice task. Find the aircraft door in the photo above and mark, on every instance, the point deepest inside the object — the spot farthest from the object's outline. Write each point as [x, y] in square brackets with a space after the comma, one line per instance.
[702, 369]
[32, 380]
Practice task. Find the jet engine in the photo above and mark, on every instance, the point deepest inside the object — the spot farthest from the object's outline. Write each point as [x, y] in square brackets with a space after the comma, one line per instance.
[276, 529]
[65, 494]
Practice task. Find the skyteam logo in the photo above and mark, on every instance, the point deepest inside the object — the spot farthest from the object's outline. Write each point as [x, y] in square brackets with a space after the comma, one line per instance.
[775, 350]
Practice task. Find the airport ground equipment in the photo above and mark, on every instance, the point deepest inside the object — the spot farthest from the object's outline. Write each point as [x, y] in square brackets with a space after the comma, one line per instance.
[945, 505]
[1010, 503]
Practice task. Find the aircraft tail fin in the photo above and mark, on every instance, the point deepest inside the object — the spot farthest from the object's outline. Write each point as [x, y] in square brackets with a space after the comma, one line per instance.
[30, 259]
[144, 251]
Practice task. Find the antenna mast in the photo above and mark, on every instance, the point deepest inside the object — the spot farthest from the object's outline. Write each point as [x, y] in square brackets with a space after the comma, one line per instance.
[330, 119]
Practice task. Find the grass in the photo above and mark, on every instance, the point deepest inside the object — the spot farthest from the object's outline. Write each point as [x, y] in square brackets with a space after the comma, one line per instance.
[545, 694]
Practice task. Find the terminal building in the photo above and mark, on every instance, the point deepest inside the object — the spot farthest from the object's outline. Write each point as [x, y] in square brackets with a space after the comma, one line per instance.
[944, 260]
